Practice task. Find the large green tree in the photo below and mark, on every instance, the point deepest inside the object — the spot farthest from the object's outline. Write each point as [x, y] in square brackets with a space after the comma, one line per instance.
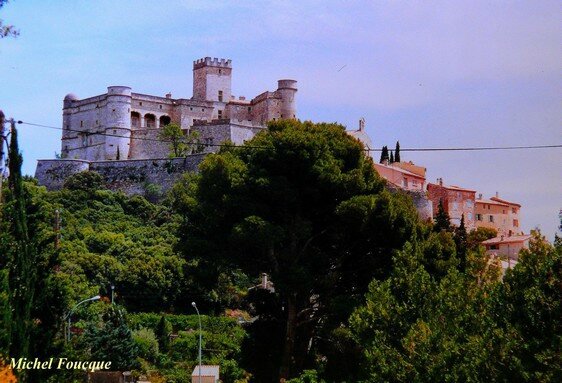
[305, 205]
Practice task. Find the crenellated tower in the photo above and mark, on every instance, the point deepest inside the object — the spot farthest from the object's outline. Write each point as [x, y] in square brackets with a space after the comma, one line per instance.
[212, 79]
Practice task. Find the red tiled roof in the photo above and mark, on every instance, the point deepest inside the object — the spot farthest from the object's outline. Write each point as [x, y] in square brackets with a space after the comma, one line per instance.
[504, 201]
[452, 187]
[491, 202]
[512, 239]
[400, 170]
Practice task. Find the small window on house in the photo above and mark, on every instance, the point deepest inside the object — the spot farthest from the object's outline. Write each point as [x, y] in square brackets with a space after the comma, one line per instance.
[220, 71]
[491, 218]
[405, 182]
[202, 109]
[190, 108]
[494, 247]
[513, 210]
[114, 110]
[160, 106]
[515, 223]
[140, 103]
[220, 95]
[114, 131]
[249, 109]
[479, 217]
[220, 114]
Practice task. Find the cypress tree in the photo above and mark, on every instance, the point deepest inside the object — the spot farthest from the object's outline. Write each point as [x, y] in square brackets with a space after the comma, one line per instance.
[442, 220]
[384, 154]
[22, 260]
[397, 152]
[162, 333]
[391, 157]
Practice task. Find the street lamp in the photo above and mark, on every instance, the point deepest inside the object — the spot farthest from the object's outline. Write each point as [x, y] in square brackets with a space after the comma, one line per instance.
[97, 297]
[199, 316]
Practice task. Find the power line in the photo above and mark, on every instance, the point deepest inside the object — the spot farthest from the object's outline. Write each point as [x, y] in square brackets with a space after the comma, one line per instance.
[141, 138]
[441, 149]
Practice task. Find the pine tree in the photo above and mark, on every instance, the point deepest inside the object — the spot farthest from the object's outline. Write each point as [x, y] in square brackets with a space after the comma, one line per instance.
[384, 154]
[461, 242]
[442, 220]
[391, 157]
[397, 152]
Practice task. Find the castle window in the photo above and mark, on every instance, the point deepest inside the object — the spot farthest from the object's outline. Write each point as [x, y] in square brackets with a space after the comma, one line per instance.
[220, 71]
[202, 109]
[114, 131]
[160, 106]
[140, 103]
[220, 95]
[190, 108]
[135, 120]
[81, 124]
[220, 114]
[114, 110]
[165, 120]
[249, 109]
[150, 120]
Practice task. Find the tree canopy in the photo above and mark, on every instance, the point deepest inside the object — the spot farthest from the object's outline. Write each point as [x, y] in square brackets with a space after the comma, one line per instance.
[309, 210]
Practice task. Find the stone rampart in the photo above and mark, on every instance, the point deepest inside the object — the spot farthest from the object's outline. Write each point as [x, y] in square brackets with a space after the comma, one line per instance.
[129, 176]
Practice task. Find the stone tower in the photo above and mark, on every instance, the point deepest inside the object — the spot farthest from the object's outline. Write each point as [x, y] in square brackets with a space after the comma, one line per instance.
[118, 123]
[287, 90]
[212, 80]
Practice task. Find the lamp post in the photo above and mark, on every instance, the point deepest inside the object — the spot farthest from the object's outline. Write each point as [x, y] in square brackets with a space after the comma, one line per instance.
[72, 310]
[199, 316]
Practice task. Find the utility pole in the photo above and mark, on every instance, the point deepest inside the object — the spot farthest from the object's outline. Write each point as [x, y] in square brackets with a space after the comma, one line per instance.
[57, 229]
[2, 118]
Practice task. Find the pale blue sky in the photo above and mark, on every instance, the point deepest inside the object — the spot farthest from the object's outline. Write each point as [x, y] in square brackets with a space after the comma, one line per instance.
[430, 74]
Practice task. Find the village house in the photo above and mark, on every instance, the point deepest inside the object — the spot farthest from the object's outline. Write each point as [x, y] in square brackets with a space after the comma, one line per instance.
[457, 201]
[209, 374]
[499, 214]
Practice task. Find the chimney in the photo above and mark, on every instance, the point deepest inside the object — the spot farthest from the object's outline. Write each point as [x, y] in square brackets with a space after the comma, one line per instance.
[501, 239]
[440, 181]
[362, 124]
[479, 195]
[168, 95]
[497, 195]
[263, 280]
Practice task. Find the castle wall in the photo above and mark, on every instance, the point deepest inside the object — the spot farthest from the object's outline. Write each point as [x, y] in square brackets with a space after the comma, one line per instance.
[147, 143]
[53, 173]
[134, 176]
[129, 176]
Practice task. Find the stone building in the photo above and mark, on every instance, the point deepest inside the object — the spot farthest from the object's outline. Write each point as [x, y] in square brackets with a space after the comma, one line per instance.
[498, 214]
[457, 201]
[117, 134]
[121, 124]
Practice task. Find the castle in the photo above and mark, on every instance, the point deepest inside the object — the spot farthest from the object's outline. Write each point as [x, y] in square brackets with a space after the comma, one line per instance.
[122, 126]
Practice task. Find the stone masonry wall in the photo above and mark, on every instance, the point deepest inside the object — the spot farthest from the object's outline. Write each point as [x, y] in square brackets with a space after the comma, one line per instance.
[129, 176]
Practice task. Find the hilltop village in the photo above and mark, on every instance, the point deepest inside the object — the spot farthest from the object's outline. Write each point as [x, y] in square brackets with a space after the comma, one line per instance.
[117, 134]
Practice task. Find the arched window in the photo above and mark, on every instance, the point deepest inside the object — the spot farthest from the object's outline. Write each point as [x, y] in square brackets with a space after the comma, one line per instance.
[150, 120]
[135, 120]
[165, 120]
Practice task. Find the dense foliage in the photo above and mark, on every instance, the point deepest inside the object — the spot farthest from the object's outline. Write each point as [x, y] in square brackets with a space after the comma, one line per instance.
[362, 290]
